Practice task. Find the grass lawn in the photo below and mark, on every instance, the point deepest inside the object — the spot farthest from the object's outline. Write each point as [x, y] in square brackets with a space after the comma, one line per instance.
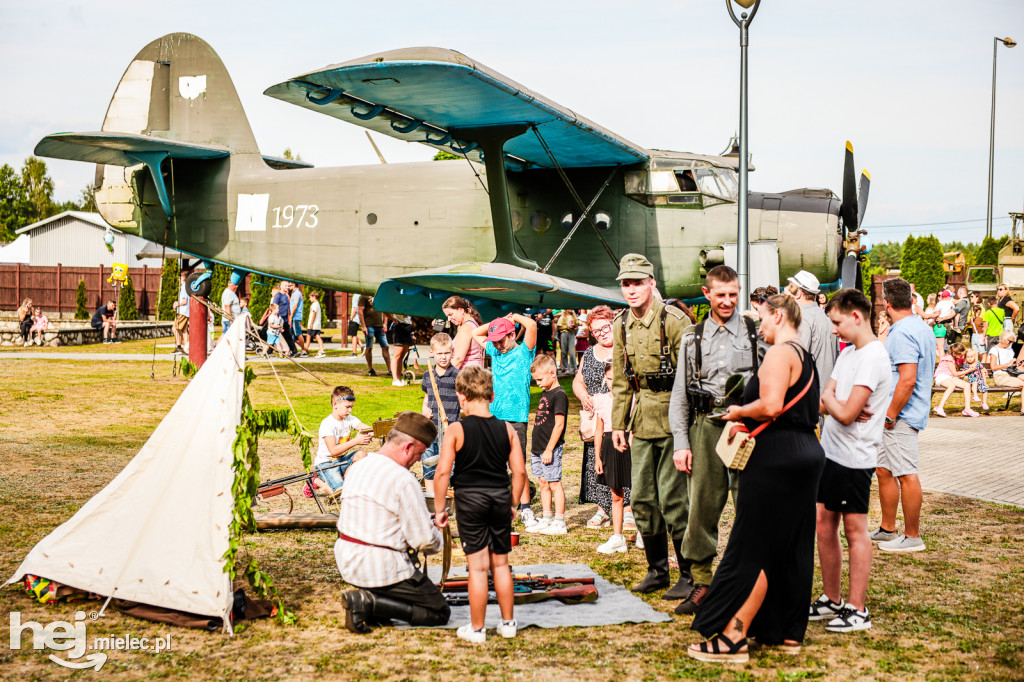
[70, 426]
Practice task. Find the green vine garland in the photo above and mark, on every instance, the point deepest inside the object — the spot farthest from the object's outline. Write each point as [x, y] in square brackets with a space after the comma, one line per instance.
[246, 466]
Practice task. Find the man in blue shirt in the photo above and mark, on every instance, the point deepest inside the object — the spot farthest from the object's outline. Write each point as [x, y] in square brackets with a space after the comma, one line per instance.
[911, 348]
[283, 309]
[510, 365]
[295, 302]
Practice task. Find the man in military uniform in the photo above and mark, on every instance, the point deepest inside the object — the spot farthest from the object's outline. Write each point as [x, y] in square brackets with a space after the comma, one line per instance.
[644, 361]
[724, 344]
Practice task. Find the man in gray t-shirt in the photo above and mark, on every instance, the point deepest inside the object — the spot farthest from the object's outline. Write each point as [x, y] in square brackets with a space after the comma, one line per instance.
[230, 304]
[815, 328]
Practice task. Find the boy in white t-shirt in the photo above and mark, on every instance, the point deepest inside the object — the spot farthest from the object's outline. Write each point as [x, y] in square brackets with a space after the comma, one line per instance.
[335, 445]
[855, 398]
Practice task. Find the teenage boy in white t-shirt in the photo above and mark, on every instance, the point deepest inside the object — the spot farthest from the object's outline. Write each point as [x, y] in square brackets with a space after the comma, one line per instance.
[855, 398]
[334, 442]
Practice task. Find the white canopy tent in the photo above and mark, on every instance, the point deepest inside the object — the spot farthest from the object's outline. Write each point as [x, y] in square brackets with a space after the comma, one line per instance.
[157, 533]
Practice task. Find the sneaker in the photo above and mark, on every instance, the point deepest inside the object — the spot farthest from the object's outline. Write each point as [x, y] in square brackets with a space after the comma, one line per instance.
[467, 633]
[628, 522]
[554, 528]
[527, 517]
[398, 382]
[302, 354]
[507, 629]
[902, 544]
[538, 525]
[598, 520]
[639, 541]
[615, 543]
[29, 343]
[970, 413]
[826, 609]
[939, 411]
[984, 405]
[850, 620]
[371, 373]
[321, 354]
[883, 535]
[178, 349]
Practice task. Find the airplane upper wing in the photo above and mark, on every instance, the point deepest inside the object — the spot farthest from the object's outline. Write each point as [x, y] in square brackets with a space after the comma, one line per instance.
[421, 94]
[496, 289]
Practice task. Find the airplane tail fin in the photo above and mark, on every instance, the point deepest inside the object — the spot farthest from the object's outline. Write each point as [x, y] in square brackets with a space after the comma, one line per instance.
[175, 105]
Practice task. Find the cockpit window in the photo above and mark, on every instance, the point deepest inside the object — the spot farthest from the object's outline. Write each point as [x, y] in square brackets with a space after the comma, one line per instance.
[686, 181]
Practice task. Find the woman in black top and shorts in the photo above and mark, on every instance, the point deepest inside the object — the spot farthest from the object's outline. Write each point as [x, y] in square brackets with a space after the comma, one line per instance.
[482, 449]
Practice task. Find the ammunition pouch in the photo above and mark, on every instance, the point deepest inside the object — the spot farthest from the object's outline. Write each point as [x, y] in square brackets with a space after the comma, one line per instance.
[660, 381]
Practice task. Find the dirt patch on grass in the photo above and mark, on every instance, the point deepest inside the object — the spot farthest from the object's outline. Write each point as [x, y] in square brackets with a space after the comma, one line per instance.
[951, 612]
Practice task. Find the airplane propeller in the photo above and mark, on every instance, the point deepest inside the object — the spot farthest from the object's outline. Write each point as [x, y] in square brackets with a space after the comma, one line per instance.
[852, 213]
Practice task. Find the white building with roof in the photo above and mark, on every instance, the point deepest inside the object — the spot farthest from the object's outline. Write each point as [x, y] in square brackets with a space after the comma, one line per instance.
[75, 239]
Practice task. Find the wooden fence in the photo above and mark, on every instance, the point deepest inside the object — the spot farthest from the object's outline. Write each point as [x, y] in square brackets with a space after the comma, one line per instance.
[54, 288]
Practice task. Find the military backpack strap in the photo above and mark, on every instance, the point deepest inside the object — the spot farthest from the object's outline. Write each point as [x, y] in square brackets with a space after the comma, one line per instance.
[752, 335]
[627, 366]
[665, 350]
[697, 335]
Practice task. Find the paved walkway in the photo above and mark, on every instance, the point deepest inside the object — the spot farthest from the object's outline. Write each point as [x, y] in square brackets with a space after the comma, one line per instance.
[981, 458]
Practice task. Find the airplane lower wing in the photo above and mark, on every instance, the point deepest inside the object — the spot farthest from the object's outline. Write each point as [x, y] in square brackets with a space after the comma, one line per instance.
[496, 289]
[426, 94]
[121, 149]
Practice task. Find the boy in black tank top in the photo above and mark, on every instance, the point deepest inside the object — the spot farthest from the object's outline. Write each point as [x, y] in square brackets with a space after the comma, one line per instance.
[483, 448]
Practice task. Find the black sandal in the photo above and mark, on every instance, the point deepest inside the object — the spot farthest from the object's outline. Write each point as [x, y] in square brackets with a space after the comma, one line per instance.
[711, 652]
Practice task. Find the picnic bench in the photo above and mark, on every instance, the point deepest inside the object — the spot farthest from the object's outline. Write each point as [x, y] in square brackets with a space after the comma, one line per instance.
[1008, 391]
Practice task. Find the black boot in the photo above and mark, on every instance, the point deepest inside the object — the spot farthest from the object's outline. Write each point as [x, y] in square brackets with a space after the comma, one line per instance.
[386, 608]
[656, 549]
[358, 610]
[681, 590]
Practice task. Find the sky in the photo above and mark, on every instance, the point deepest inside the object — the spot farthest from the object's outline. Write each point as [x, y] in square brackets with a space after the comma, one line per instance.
[909, 83]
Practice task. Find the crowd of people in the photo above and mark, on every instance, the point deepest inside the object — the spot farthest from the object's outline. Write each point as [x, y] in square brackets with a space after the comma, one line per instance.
[831, 405]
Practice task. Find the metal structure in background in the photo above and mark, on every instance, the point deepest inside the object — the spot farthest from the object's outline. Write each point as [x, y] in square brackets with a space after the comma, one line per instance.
[742, 237]
[1009, 42]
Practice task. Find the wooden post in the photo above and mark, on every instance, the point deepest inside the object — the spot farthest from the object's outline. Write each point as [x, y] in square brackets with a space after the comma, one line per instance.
[344, 316]
[144, 291]
[58, 290]
[17, 286]
[197, 324]
[99, 285]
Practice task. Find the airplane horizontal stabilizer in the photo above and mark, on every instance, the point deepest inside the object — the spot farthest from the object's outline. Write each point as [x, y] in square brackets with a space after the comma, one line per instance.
[121, 149]
[495, 289]
[427, 94]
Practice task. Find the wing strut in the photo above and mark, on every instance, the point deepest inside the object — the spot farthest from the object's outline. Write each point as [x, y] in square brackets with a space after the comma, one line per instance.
[576, 197]
[579, 221]
[492, 141]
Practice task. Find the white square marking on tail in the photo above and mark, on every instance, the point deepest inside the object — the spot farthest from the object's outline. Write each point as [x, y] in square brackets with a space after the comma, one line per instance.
[191, 87]
[252, 213]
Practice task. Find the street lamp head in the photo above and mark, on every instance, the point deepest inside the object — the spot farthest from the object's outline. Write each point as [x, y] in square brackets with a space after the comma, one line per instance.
[1008, 41]
[745, 4]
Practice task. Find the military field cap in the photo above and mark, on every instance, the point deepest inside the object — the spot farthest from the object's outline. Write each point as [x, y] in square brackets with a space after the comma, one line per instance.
[806, 281]
[416, 425]
[499, 329]
[635, 266]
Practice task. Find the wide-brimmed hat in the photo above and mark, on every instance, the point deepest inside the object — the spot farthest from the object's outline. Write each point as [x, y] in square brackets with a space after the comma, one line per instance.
[806, 281]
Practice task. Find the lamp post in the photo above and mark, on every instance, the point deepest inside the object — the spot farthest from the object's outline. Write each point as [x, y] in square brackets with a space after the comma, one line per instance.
[742, 239]
[1008, 42]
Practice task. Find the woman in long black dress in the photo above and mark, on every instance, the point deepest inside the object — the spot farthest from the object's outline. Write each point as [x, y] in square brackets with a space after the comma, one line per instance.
[589, 381]
[761, 586]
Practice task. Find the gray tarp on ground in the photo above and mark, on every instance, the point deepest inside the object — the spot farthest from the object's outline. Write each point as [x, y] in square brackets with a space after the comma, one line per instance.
[615, 604]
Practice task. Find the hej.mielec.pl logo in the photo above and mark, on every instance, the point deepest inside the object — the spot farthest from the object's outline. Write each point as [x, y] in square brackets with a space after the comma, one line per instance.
[71, 637]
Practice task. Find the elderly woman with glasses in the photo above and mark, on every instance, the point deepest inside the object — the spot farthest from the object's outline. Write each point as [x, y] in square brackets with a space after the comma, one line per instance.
[589, 381]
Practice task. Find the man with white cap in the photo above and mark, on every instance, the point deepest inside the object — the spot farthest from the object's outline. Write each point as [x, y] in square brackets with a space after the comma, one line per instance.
[815, 327]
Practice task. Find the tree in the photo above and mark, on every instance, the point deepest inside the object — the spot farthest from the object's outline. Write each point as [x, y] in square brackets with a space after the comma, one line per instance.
[922, 264]
[290, 155]
[81, 302]
[443, 155]
[38, 188]
[867, 269]
[126, 309]
[988, 254]
[168, 290]
[219, 280]
[14, 205]
[259, 295]
[887, 255]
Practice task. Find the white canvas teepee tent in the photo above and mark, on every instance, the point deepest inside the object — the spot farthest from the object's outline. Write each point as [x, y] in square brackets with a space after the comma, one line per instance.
[157, 533]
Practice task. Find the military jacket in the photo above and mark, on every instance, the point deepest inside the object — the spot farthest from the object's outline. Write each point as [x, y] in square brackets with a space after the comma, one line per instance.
[648, 416]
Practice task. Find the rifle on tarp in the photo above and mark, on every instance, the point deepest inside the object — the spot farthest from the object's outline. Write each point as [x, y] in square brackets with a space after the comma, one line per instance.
[529, 590]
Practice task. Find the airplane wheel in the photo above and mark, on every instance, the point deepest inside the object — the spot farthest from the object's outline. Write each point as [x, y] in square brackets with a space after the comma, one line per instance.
[409, 375]
[204, 287]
